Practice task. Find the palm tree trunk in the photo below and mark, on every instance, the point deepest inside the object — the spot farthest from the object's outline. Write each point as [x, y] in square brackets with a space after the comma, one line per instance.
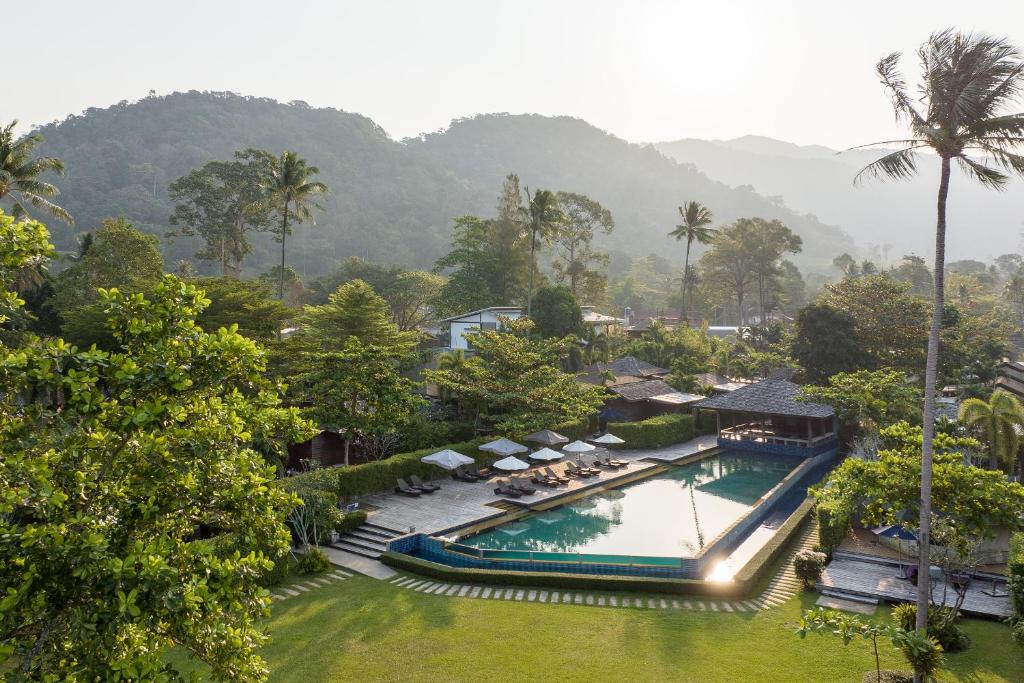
[930, 372]
[686, 285]
[533, 268]
[284, 235]
[572, 269]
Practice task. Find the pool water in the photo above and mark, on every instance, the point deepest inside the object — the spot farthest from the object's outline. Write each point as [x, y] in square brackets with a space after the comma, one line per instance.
[672, 514]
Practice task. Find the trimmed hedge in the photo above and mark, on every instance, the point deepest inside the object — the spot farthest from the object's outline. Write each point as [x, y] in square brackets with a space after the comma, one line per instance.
[707, 422]
[641, 584]
[832, 527]
[1016, 574]
[350, 521]
[654, 432]
[575, 430]
[753, 570]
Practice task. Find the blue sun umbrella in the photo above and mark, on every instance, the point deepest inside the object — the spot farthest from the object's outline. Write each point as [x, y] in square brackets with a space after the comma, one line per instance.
[900, 534]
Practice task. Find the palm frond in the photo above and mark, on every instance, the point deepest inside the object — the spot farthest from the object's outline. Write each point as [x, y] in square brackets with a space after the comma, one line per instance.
[987, 176]
[896, 165]
[889, 73]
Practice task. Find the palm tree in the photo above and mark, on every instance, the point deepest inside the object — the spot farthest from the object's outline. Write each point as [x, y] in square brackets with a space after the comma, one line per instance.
[289, 188]
[19, 175]
[543, 217]
[454, 360]
[694, 228]
[998, 420]
[967, 82]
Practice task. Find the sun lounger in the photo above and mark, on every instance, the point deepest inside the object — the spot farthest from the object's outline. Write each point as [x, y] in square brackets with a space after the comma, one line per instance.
[551, 475]
[503, 489]
[415, 487]
[426, 487]
[402, 487]
[575, 471]
[604, 465]
[481, 472]
[544, 480]
[460, 474]
[523, 486]
[616, 463]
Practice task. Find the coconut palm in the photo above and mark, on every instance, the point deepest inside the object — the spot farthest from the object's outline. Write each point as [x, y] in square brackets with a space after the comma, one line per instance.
[694, 228]
[291, 191]
[19, 175]
[959, 113]
[1000, 421]
[450, 360]
[543, 217]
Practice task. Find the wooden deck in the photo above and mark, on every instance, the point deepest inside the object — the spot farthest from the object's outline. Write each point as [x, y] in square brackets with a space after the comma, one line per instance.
[878, 579]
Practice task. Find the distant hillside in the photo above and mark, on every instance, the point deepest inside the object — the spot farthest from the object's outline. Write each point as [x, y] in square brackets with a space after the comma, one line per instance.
[389, 200]
[983, 223]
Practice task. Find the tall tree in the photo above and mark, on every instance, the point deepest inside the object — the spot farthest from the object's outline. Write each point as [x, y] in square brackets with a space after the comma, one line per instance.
[768, 241]
[824, 342]
[354, 310]
[19, 175]
[556, 313]
[968, 81]
[290, 190]
[998, 421]
[584, 218]
[694, 228]
[542, 217]
[729, 265]
[220, 202]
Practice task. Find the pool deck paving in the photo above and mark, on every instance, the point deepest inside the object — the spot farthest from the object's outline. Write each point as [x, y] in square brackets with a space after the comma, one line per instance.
[460, 504]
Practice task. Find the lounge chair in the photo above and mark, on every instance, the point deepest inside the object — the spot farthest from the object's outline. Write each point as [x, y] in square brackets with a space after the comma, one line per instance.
[554, 477]
[460, 474]
[481, 472]
[616, 463]
[604, 465]
[402, 487]
[426, 487]
[575, 471]
[416, 487]
[543, 479]
[520, 484]
[503, 489]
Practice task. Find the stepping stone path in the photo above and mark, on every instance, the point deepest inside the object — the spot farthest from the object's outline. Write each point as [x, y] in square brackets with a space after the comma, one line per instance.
[322, 580]
[780, 589]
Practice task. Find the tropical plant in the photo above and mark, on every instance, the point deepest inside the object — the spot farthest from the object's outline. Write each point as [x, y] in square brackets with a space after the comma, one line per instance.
[290, 189]
[542, 217]
[19, 175]
[968, 81]
[997, 421]
[584, 217]
[694, 228]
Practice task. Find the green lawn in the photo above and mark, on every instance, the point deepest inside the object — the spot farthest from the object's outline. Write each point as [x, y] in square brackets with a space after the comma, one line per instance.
[366, 630]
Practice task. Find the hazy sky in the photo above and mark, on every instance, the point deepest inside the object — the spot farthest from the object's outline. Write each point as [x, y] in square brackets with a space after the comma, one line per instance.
[644, 70]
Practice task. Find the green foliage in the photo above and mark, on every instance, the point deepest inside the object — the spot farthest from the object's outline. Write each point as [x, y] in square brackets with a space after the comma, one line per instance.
[808, 565]
[942, 625]
[419, 432]
[1015, 580]
[350, 521]
[823, 342]
[313, 561]
[997, 421]
[1018, 633]
[556, 312]
[864, 400]
[22, 172]
[707, 422]
[834, 522]
[514, 381]
[247, 303]
[353, 310]
[110, 464]
[654, 432]
[584, 218]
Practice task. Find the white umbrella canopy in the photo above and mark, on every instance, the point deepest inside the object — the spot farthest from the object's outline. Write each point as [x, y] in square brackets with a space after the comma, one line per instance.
[546, 454]
[578, 447]
[608, 439]
[448, 459]
[546, 437]
[504, 446]
[511, 464]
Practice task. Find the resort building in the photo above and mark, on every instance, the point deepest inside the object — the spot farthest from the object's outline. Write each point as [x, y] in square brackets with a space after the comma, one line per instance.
[1011, 377]
[637, 390]
[767, 417]
[461, 328]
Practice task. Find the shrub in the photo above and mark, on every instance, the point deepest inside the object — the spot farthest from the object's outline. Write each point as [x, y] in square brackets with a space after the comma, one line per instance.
[350, 521]
[1015, 582]
[313, 561]
[707, 422]
[419, 432]
[654, 432]
[924, 656]
[808, 565]
[1018, 633]
[887, 676]
[574, 430]
[941, 627]
[833, 525]
[283, 566]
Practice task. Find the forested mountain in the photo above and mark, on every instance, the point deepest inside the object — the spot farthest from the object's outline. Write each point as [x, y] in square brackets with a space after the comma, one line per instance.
[388, 200]
[888, 219]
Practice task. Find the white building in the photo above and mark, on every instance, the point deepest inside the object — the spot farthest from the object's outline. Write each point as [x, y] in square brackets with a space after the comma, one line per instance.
[462, 327]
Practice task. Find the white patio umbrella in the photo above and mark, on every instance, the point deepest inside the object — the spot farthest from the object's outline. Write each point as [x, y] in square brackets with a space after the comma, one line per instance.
[546, 454]
[511, 464]
[578, 447]
[504, 446]
[607, 439]
[448, 459]
[546, 437]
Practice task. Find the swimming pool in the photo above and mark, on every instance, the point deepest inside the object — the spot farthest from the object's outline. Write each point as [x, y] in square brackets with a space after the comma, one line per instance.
[676, 513]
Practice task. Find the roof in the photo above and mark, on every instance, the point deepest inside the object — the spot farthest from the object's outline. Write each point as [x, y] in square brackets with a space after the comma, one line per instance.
[592, 316]
[626, 370]
[1011, 384]
[497, 309]
[676, 398]
[770, 397]
[641, 391]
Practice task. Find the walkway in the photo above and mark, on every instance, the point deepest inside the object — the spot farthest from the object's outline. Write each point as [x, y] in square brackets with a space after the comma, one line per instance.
[282, 592]
[780, 589]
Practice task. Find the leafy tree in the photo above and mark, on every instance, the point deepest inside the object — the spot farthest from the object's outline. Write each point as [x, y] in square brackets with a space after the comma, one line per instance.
[768, 241]
[968, 81]
[514, 381]
[729, 265]
[250, 304]
[914, 271]
[117, 256]
[824, 342]
[694, 228]
[221, 202]
[583, 219]
[556, 313]
[999, 421]
[111, 462]
[357, 391]
[19, 175]
[847, 265]
[541, 218]
[354, 310]
[290, 190]
[866, 400]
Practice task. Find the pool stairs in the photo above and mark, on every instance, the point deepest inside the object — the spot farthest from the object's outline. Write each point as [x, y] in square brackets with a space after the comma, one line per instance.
[368, 540]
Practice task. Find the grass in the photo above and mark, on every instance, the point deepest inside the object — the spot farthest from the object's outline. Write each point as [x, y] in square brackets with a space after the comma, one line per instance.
[362, 629]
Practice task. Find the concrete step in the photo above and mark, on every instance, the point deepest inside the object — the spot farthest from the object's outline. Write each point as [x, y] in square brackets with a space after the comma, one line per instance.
[393, 533]
[355, 549]
[367, 538]
[850, 597]
[375, 532]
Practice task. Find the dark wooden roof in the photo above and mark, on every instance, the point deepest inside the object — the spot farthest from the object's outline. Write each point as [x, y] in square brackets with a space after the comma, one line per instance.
[641, 391]
[770, 397]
